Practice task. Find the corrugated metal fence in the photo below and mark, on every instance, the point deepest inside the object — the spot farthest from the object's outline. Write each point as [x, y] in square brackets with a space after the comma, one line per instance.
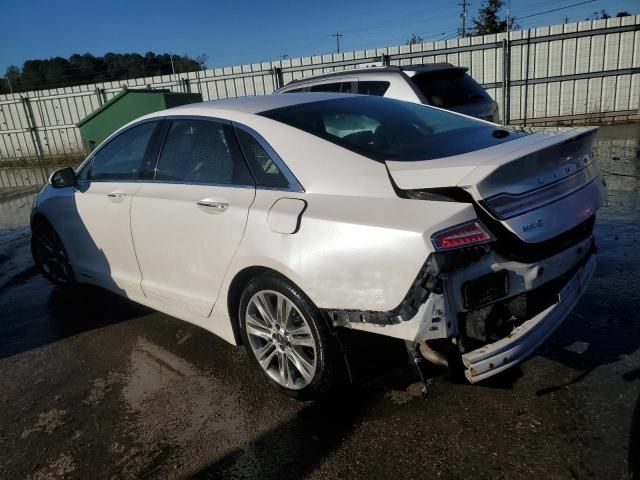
[583, 71]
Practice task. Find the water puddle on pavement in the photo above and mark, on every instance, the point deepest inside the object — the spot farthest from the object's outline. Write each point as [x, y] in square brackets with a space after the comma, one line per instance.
[617, 150]
[15, 213]
[179, 406]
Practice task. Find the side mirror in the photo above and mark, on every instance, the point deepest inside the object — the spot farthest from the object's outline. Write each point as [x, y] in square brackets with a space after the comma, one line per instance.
[65, 177]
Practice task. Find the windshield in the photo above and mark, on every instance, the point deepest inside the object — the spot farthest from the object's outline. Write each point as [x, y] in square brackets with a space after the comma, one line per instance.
[449, 88]
[386, 129]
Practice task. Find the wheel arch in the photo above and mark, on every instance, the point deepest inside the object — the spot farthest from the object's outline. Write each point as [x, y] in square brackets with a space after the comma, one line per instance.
[237, 285]
[39, 219]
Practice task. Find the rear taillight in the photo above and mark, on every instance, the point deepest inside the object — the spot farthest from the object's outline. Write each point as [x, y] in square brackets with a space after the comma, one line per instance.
[465, 235]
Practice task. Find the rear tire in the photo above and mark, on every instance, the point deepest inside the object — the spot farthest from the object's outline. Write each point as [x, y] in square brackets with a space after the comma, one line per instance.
[50, 255]
[288, 339]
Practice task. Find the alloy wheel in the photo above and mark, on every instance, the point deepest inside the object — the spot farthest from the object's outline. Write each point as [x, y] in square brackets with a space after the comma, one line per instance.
[50, 255]
[281, 339]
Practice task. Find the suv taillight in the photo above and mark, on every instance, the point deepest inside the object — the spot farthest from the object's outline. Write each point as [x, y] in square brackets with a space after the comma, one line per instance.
[465, 235]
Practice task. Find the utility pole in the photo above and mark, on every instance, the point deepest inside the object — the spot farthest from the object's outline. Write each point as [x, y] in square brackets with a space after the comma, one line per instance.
[9, 82]
[337, 35]
[463, 15]
[173, 69]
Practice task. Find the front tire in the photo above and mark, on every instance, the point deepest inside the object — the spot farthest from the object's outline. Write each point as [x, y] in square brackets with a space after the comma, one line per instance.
[288, 340]
[50, 255]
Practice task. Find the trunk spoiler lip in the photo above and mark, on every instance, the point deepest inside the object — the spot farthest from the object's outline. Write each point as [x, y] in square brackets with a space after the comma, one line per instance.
[468, 169]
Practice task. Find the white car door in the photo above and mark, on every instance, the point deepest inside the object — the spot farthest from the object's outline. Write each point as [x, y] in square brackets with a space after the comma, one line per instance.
[188, 222]
[96, 221]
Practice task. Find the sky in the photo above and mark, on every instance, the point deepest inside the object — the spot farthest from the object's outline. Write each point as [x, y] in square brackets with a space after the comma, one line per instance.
[248, 31]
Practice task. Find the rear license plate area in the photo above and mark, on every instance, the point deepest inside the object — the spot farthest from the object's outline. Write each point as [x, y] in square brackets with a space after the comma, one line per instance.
[486, 289]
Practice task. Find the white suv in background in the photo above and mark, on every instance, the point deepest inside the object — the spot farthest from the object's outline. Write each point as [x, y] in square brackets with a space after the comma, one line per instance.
[439, 84]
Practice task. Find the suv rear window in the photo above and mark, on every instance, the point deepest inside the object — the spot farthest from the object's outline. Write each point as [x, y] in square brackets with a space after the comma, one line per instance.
[376, 88]
[385, 129]
[449, 88]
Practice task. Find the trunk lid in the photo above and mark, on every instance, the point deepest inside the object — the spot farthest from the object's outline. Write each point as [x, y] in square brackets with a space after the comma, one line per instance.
[538, 185]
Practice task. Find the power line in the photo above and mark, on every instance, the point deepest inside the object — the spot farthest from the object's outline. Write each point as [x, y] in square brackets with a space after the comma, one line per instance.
[533, 6]
[389, 24]
[555, 9]
[395, 40]
[392, 22]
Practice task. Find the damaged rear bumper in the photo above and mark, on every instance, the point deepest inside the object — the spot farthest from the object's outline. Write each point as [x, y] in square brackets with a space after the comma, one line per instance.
[523, 340]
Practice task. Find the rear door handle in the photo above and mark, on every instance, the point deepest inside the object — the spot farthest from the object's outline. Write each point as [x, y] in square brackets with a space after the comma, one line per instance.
[213, 204]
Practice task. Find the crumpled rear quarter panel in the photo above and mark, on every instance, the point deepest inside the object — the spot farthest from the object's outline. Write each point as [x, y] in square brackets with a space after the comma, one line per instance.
[358, 253]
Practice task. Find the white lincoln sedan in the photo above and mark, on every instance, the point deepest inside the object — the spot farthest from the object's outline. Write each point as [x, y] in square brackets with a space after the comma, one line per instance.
[274, 221]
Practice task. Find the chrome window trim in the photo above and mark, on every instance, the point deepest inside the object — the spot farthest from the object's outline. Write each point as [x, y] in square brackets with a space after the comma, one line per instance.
[294, 184]
[198, 184]
[146, 180]
[112, 137]
[171, 118]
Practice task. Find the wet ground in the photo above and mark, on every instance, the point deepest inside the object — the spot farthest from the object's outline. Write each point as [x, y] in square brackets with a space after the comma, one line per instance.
[93, 386]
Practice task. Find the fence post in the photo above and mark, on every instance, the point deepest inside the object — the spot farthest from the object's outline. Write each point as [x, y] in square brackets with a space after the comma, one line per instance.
[506, 80]
[33, 130]
[186, 85]
[99, 95]
[278, 81]
[526, 80]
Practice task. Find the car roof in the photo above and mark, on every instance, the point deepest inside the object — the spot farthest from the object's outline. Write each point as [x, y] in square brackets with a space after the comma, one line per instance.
[411, 70]
[246, 105]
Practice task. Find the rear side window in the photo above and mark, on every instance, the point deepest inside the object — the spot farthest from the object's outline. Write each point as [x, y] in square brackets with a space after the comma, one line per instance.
[337, 87]
[377, 89]
[355, 129]
[384, 129]
[198, 151]
[264, 169]
[449, 88]
[121, 158]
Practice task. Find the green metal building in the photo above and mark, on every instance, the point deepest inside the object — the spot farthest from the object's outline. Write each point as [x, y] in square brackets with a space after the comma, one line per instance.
[126, 106]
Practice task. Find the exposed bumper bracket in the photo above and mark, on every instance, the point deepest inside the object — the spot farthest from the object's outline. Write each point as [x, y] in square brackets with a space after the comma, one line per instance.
[503, 354]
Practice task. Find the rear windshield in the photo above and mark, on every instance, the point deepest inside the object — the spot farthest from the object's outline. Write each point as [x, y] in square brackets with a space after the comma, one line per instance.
[385, 129]
[449, 88]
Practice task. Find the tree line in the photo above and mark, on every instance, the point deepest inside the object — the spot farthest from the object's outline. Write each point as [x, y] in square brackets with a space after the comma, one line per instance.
[80, 69]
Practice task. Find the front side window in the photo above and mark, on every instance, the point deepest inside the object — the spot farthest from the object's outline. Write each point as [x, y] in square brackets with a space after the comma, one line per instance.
[82, 174]
[384, 129]
[265, 171]
[121, 158]
[198, 151]
[375, 88]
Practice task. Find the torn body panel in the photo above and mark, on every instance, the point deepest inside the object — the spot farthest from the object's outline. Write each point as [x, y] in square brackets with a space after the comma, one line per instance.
[494, 333]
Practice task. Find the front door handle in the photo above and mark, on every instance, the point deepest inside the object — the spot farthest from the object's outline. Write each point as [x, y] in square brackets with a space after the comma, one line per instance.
[117, 195]
[213, 204]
